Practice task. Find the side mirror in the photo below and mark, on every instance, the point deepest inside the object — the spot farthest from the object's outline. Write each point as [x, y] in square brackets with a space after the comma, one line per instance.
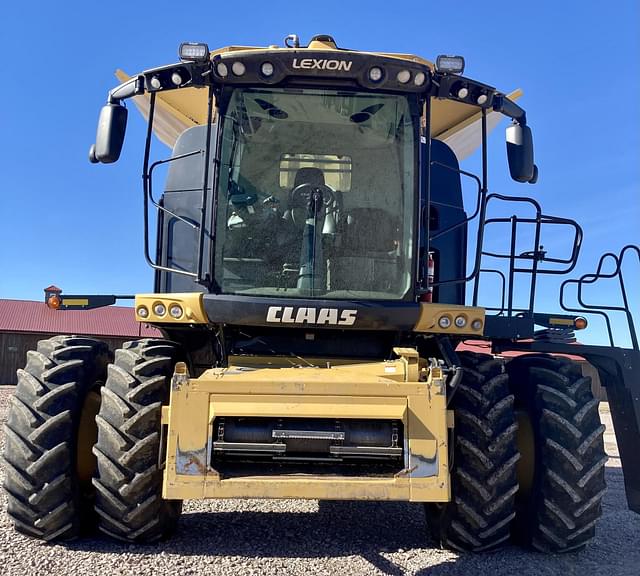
[520, 153]
[112, 125]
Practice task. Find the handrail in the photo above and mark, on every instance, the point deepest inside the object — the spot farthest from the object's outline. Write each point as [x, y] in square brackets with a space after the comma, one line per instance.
[599, 309]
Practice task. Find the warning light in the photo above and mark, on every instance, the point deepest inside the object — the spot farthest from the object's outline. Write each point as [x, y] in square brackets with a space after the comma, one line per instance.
[580, 323]
[54, 301]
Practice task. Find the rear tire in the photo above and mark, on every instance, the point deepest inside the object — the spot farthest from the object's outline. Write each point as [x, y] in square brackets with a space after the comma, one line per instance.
[48, 437]
[559, 511]
[483, 475]
[129, 481]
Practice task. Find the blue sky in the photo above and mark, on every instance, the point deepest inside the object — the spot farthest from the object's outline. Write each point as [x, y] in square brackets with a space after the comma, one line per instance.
[78, 225]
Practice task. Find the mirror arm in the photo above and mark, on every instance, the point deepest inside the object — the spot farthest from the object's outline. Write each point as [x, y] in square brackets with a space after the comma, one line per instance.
[132, 87]
[509, 108]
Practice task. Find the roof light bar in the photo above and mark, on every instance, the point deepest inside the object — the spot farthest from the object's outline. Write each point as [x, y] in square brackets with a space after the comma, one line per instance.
[194, 52]
[450, 64]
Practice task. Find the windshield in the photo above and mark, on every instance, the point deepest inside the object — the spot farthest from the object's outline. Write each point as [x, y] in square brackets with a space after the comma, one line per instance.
[316, 194]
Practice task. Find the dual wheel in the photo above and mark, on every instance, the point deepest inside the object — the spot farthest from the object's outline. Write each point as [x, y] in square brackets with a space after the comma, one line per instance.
[64, 475]
[527, 451]
[528, 457]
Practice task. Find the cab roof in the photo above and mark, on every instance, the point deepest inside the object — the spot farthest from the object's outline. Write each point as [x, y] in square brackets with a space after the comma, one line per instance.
[455, 123]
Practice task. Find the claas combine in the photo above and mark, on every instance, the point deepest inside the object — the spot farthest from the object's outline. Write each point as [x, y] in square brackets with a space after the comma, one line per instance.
[316, 271]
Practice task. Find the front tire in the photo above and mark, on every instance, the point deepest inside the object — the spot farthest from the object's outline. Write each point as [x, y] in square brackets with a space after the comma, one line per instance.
[129, 481]
[49, 433]
[483, 475]
[560, 509]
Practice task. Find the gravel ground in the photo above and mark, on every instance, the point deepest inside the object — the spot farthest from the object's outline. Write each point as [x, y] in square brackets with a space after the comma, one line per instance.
[303, 537]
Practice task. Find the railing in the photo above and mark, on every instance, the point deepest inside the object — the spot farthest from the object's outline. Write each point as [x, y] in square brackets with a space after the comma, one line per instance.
[602, 309]
[516, 262]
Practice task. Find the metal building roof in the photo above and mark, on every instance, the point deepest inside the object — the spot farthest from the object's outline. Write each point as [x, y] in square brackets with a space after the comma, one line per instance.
[30, 316]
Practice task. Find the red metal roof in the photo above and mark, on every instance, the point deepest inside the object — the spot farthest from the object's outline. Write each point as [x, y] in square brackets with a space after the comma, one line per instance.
[30, 316]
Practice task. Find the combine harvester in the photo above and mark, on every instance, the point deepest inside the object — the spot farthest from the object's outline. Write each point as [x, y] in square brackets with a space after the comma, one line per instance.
[311, 279]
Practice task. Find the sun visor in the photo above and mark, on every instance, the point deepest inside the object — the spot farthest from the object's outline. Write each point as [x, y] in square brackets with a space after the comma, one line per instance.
[175, 111]
[459, 125]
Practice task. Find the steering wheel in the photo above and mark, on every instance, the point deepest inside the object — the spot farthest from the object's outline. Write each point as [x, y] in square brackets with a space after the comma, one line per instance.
[304, 194]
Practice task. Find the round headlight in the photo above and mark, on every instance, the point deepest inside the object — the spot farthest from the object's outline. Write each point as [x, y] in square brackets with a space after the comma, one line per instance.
[375, 74]
[476, 324]
[419, 79]
[175, 310]
[159, 309]
[143, 311]
[461, 321]
[444, 322]
[403, 76]
[238, 68]
[481, 99]
[463, 92]
[221, 69]
[176, 79]
[155, 82]
[267, 69]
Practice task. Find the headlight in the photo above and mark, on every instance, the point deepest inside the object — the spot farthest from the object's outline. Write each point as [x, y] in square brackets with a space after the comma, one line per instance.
[175, 310]
[444, 322]
[143, 311]
[159, 309]
[461, 321]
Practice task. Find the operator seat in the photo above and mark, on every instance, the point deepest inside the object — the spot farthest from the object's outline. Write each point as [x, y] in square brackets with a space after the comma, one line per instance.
[368, 256]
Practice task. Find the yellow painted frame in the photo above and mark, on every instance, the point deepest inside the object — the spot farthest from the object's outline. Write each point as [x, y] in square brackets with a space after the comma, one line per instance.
[404, 389]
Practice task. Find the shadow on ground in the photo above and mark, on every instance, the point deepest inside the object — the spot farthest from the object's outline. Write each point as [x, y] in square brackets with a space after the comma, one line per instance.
[366, 529]
[391, 536]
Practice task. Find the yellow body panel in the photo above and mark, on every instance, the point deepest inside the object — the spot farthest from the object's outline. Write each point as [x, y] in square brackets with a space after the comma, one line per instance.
[405, 389]
[190, 303]
[432, 312]
[194, 313]
[312, 407]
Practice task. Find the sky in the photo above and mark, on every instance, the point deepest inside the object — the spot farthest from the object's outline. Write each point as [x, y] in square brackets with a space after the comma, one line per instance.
[79, 226]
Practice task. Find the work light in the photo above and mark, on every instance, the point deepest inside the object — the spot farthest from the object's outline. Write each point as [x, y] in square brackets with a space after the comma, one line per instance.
[267, 69]
[238, 68]
[403, 76]
[193, 52]
[419, 79]
[450, 64]
[375, 74]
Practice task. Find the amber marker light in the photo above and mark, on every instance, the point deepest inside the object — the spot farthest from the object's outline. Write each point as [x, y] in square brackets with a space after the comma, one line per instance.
[54, 302]
[580, 323]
